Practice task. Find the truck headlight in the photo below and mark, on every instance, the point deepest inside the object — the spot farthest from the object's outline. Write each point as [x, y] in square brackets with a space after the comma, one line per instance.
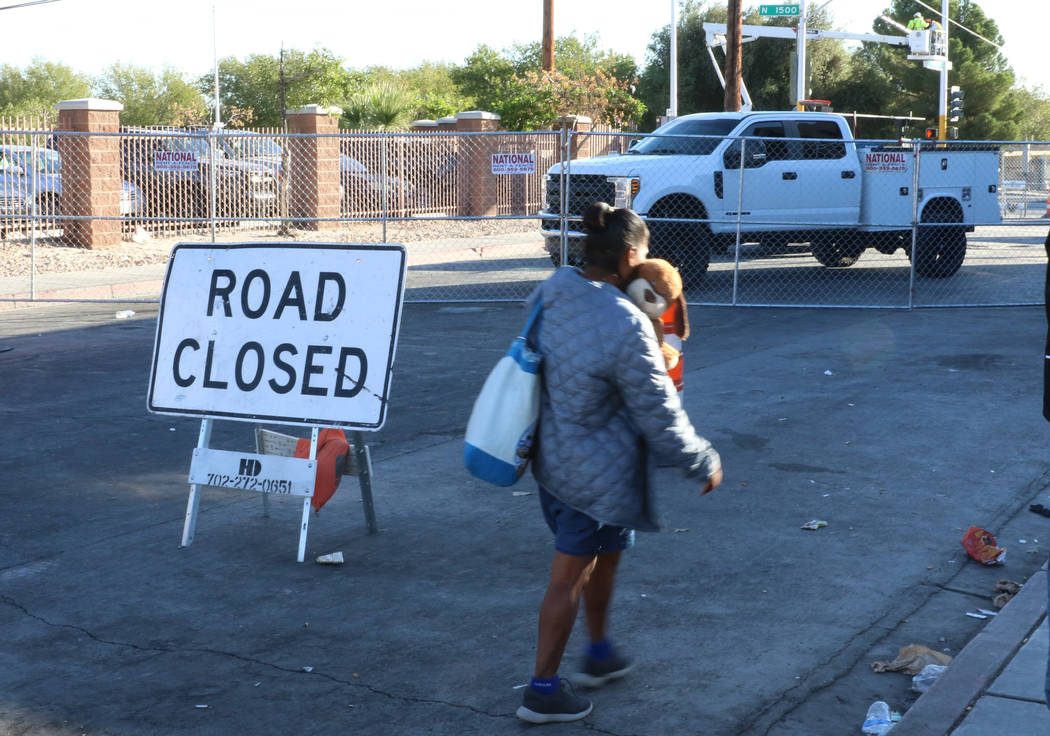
[626, 189]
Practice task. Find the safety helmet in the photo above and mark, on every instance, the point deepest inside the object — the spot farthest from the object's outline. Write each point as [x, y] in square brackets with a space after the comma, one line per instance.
[918, 14]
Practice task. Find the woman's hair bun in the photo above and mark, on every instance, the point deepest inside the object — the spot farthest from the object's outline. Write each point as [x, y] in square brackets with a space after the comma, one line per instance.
[594, 217]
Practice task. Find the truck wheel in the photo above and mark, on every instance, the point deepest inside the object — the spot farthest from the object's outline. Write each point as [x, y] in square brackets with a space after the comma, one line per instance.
[941, 251]
[836, 250]
[687, 245]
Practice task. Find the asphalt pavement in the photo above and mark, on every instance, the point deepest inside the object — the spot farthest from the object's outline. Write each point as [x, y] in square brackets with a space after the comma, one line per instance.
[900, 429]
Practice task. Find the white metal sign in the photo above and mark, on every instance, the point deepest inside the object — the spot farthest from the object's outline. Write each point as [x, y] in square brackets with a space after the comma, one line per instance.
[514, 163]
[175, 160]
[295, 333]
[289, 476]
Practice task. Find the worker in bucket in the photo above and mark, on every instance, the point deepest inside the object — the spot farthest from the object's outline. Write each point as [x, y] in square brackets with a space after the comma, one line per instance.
[917, 23]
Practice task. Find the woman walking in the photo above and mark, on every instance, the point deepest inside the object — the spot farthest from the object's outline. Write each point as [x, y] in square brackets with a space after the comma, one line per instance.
[607, 402]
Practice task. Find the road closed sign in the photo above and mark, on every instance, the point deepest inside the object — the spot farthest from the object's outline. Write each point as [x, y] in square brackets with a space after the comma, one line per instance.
[296, 333]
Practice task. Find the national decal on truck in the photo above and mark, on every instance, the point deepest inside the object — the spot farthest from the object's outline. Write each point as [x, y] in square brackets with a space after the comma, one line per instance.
[885, 161]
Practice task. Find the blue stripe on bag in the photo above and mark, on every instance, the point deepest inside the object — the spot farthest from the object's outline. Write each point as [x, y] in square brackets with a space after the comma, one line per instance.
[488, 468]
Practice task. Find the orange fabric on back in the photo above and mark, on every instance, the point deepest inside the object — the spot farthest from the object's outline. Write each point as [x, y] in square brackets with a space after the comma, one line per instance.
[331, 445]
[677, 373]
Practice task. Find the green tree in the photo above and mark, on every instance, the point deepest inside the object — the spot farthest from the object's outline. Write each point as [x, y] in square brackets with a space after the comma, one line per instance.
[586, 80]
[36, 89]
[1035, 121]
[167, 98]
[253, 88]
[379, 106]
[434, 92]
[886, 81]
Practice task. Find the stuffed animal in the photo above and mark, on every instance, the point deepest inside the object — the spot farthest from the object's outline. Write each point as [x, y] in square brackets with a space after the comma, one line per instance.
[656, 289]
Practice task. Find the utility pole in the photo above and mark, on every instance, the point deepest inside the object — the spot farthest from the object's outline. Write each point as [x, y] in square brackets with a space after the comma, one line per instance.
[734, 33]
[547, 51]
[942, 102]
[672, 110]
[800, 74]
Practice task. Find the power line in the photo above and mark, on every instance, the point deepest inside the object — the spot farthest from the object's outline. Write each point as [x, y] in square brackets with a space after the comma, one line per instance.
[22, 5]
[972, 33]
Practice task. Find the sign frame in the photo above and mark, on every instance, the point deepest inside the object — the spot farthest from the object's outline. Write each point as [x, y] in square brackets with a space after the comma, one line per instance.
[289, 476]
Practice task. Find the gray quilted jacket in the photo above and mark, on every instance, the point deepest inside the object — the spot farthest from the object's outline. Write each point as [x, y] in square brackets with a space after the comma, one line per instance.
[606, 403]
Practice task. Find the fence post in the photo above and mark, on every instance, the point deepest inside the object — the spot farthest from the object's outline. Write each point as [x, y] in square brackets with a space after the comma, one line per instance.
[90, 172]
[916, 151]
[315, 167]
[477, 185]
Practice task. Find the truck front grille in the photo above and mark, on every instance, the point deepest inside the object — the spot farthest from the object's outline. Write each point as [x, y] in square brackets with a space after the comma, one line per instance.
[584, 190]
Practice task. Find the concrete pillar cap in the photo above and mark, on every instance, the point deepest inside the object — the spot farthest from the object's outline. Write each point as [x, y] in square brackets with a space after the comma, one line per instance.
[90, 103]
[574, 119]
[317, 110]
[424, 123]
[446, 120]
[476, 115]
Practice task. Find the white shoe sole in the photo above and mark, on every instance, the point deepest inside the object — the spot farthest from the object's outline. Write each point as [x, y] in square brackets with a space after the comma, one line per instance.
[532, 716]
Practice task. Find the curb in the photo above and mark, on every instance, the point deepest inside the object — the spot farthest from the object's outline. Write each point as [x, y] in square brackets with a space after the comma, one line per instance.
[938, 711]
[144, 290]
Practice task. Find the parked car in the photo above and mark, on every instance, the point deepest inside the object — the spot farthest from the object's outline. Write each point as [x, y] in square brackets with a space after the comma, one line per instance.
[361, 191]
[31, 185]
[172, 171]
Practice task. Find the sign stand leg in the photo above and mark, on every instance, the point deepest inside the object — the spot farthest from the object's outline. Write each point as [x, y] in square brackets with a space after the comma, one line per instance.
[189, 527]
[364, 464]
[306, 501]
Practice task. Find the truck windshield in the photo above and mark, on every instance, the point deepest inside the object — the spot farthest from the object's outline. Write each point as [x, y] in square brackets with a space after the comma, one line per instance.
[703, 136]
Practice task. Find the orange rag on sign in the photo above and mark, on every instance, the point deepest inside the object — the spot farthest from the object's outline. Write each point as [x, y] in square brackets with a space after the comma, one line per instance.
[331, 445]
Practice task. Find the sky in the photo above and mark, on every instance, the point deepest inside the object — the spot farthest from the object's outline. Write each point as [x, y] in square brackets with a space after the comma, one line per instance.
[89, 35]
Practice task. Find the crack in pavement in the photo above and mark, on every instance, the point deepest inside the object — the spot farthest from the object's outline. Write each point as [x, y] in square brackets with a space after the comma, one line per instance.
[159, 650]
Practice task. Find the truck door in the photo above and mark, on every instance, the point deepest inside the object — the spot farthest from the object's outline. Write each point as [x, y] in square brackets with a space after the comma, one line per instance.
[829, 176]
[765, 201]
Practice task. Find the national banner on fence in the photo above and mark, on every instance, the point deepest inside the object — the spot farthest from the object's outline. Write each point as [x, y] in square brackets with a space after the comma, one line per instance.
[296, 333]
[514, 163]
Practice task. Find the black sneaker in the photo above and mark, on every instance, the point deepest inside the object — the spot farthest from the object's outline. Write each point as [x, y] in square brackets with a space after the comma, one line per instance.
[558, 707]
[597, 672]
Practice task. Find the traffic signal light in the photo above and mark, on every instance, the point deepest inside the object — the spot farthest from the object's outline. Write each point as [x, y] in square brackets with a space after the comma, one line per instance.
[955, 105]
[931, 134]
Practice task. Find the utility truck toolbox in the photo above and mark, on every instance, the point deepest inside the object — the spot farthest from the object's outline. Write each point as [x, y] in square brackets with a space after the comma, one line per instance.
[793, 176]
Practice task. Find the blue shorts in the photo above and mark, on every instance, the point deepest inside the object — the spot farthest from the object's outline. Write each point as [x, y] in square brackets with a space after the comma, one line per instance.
[577, 534]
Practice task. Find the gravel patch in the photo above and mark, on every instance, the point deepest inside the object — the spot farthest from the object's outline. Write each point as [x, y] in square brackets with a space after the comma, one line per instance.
[19, 258]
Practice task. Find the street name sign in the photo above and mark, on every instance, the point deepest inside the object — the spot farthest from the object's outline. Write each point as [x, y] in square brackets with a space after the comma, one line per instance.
[781, 10]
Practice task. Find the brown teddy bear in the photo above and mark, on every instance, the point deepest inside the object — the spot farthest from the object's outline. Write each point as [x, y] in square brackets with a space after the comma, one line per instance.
[656, 289]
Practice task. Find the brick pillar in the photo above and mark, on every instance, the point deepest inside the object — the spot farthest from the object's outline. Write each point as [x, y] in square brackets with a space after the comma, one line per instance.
[424, 126]
[447, 123]
[579, 124]
[315, 167]
[90, 171]
[477, 185]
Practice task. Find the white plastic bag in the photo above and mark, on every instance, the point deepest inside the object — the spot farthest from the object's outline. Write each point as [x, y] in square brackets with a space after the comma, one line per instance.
[503, 421]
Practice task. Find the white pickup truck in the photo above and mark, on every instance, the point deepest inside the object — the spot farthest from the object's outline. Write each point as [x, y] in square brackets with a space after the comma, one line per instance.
[776, 177]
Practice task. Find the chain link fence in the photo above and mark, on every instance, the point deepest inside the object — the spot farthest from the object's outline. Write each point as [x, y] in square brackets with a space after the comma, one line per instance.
[783, 215]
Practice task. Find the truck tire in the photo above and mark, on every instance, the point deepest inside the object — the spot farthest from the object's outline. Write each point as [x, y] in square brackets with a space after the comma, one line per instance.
[940, 250]
[836, 249]
[687, 245]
